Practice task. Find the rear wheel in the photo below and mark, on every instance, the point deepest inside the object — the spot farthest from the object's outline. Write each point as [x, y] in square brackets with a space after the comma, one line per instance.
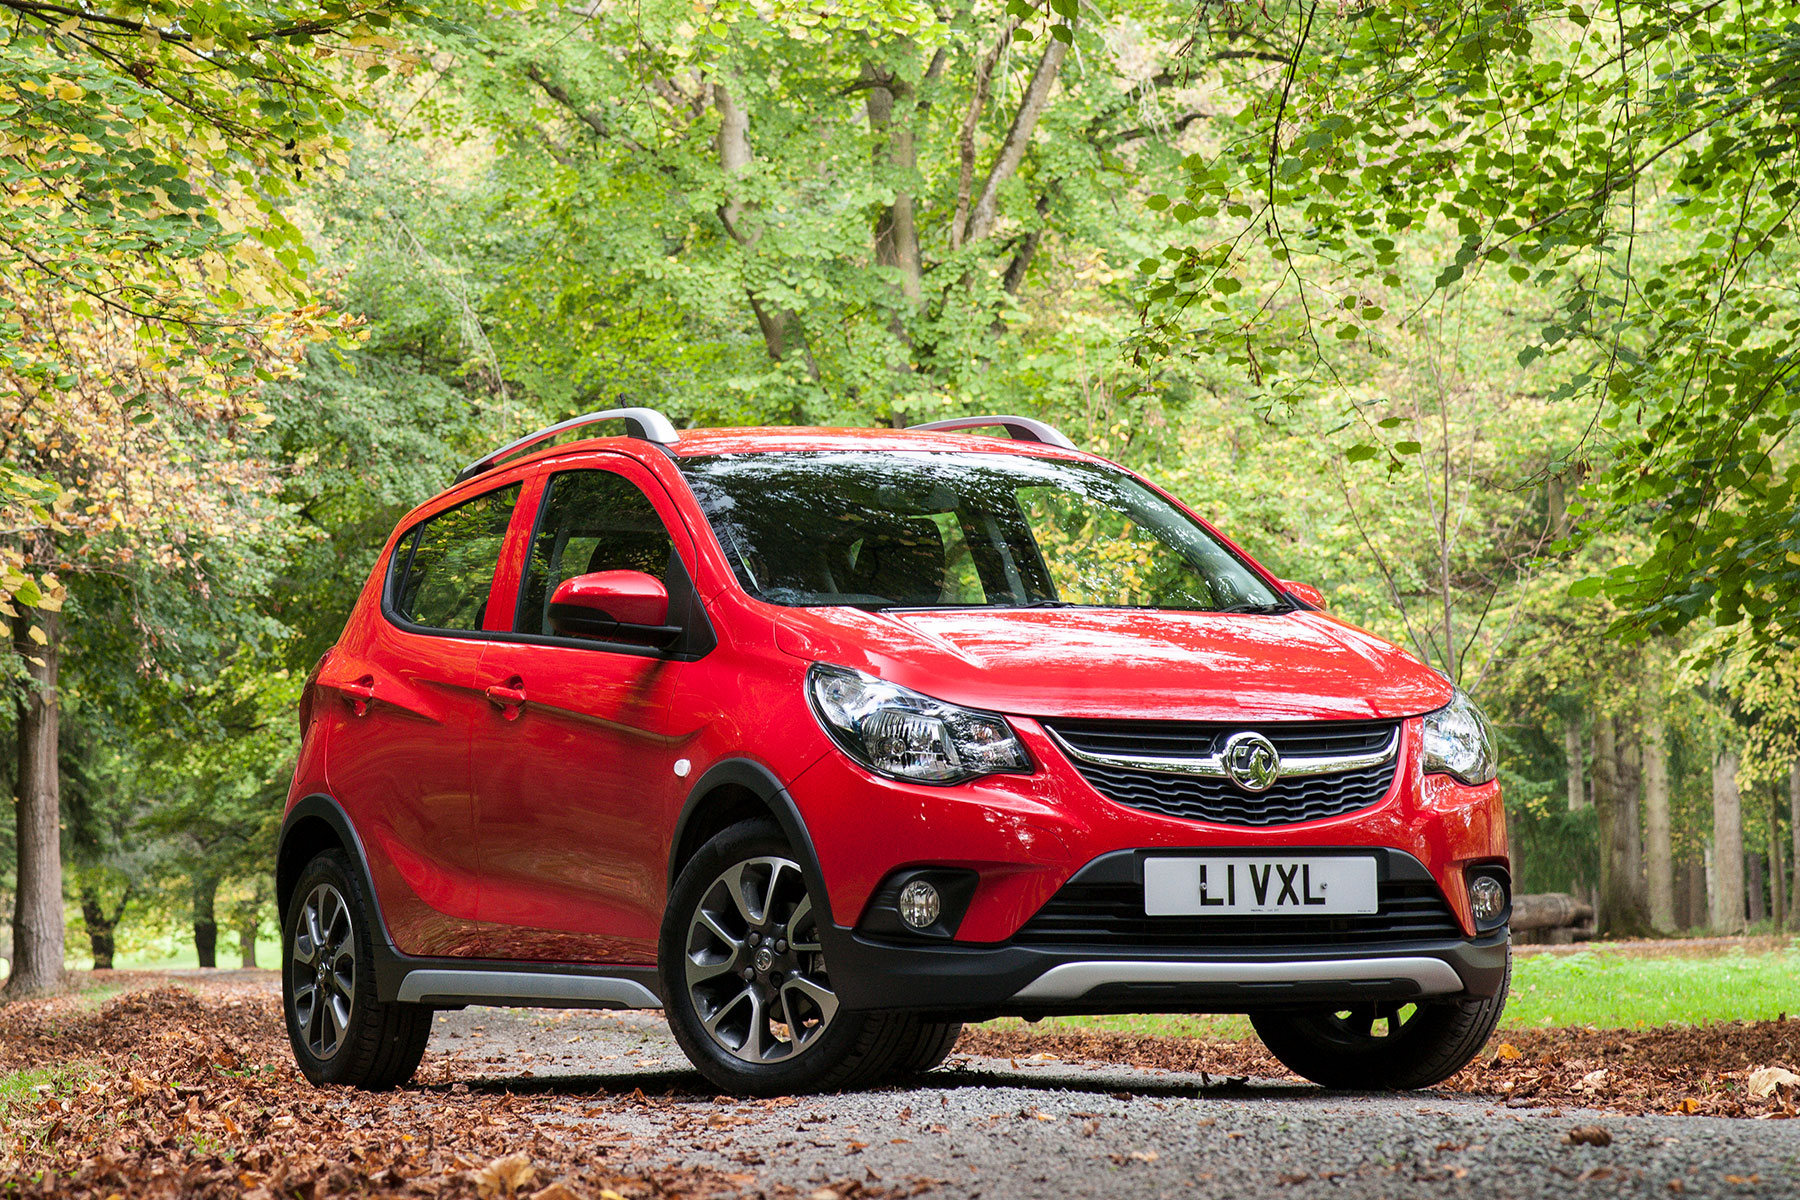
[1382, 1046]
[746, 987]
[340, 1031]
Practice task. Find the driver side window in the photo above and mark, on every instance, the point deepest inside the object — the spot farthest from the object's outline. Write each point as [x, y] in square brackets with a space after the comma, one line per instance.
[591, 521]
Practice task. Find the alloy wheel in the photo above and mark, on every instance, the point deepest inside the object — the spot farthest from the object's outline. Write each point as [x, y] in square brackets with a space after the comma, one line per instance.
[755, 969]
[324, 971]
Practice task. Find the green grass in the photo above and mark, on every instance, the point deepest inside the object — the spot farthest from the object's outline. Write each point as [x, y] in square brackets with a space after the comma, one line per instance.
[177, 952]
[1606, 989]
[25, 1089]
[1621, 991]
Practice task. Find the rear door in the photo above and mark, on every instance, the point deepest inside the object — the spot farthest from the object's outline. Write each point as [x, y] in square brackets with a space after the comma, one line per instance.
[575, 781]
[400, 688]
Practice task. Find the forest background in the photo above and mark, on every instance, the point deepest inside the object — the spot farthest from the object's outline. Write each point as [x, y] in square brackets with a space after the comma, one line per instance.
[1479, 316]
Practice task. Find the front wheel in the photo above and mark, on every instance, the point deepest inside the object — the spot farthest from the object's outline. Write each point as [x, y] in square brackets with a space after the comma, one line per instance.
[1387, 1046]
[746, 986]
[340, 1031]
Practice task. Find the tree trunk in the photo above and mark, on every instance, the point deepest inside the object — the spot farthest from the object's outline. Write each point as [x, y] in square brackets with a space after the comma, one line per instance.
[896, 231]
[1794, 825]
[1753, 887]
[100, 925]
[1631, 820]
[1684, 892]
[1777, 876]
[1621, 908]
[1659, 865]
[778, 326]
[37, 965]
[1728, 843]
[206, 923]
[247, 941]
[1548, 910]
[1572, 757]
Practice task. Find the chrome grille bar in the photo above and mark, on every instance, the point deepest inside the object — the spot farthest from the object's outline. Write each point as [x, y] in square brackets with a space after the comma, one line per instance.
[1211, 766]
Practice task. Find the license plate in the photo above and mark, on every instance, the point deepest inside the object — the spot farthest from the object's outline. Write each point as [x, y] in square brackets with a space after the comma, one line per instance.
[1259, 884]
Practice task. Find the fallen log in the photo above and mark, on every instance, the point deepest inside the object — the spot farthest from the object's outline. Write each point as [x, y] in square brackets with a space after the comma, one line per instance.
[1549, 910]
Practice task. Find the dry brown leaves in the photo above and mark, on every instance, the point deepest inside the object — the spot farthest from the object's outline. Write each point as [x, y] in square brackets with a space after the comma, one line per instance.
[1719, 1070]
[173, 1094]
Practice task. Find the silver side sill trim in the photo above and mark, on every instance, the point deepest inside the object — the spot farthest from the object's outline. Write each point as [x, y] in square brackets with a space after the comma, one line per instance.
[1072, 981]
[526, 987]
[1213, 767]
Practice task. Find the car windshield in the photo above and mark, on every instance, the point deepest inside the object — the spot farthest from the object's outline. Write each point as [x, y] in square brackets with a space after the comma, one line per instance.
[936, 530]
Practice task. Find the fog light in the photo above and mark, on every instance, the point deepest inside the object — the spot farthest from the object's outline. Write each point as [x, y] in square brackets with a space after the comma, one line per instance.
[919, 905]
[1487, 899]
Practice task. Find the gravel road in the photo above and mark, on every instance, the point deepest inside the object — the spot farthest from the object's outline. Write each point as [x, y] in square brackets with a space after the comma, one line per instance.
[1000, 1129]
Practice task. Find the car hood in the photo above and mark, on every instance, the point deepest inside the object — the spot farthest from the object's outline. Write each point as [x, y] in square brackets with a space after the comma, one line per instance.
[1098, 663]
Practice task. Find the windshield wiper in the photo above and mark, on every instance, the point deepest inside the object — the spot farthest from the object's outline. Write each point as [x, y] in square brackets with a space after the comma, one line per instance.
[1045, 603]
[1274, 607]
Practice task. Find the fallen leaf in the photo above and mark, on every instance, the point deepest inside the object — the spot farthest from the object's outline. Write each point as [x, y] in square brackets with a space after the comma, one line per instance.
[556, 1191]
[1764, 1082]
[1507, 1052]
[1588, 1135]
[504, 1176]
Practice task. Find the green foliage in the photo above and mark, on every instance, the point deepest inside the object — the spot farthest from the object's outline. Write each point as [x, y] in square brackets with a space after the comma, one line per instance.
[1631, 169]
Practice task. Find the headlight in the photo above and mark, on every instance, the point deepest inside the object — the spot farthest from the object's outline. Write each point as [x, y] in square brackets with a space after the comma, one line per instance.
[1457, 741]
[897, 732]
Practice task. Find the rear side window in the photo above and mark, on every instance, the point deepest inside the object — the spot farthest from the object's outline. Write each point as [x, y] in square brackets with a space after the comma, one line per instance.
[444, 568]
[592, 521]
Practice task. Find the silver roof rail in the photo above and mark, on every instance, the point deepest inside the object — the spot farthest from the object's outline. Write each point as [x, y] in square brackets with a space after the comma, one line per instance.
[644, 423]
[1020, 429]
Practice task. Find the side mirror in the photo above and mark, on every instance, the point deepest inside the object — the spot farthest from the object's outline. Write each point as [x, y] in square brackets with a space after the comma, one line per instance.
[1302, 591]
[627, 606]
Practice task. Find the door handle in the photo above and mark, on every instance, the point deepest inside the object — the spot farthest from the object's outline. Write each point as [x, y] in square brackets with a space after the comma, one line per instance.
[358, 693]
[508, 697]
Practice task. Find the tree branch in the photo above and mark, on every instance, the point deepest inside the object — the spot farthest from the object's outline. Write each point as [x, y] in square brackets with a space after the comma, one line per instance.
[965, 138]
[1012, 151]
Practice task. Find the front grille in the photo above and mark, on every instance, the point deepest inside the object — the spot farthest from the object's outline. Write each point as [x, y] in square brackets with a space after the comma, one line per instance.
[1111, 915]
[1195, 798]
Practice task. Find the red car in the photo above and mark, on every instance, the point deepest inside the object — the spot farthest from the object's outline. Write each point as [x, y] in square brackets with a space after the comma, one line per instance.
[825, 741]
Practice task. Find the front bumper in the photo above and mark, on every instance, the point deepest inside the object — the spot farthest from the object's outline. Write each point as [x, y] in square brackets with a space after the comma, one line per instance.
[1091, 949]
[976, 983]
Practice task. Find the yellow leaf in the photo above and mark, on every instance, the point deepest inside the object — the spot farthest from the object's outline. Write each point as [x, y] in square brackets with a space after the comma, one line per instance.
[504, 1176]
[37, 635]
[1508, 1052]
[70, 92]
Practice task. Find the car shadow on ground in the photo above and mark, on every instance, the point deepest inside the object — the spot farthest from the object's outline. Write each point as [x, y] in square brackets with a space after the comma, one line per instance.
[683, 1085]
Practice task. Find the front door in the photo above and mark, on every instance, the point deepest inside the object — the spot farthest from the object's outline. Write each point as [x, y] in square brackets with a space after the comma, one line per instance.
[573, 762]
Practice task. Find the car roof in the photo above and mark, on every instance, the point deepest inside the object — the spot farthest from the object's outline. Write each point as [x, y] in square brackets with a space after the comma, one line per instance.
[699, 443]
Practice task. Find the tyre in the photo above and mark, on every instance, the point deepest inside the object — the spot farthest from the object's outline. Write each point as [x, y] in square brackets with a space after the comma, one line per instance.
[340, 1031]
[1392, 1046]
[929, 1046]
[746, 987]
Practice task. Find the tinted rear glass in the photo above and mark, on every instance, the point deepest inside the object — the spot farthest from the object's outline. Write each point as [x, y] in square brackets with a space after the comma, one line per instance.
[443, 570]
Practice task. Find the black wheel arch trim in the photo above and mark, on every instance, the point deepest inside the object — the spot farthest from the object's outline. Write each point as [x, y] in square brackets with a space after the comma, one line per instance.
[319, 806]
[765, 786]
